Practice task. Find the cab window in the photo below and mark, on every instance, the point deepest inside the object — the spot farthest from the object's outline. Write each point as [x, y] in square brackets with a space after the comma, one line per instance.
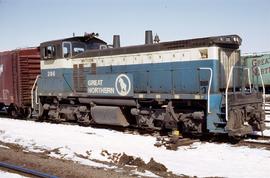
[78, 48]
[66, 48]
[49, 52]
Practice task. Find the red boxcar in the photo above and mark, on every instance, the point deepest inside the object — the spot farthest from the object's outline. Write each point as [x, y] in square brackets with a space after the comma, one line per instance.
[18, 71]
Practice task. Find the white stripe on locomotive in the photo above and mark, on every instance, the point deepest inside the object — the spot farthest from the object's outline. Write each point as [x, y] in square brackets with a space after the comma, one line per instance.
[193, 54]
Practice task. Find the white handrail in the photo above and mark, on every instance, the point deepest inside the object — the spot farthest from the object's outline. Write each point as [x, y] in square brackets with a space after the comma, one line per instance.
[32, 91]
[249, 81]
[36, 95]
[226, 92]
[209, 86]
[228, 83]
[260, 72]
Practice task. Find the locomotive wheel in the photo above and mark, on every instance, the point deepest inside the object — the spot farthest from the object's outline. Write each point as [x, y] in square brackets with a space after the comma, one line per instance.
[43, 113]
[85, 120]
[14, 113]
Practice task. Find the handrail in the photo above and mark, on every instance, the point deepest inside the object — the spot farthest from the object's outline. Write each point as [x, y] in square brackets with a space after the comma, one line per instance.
[249, 81]
[260, 72]
[32, 91]
[209, 86]
[228, 83]
[226, 91]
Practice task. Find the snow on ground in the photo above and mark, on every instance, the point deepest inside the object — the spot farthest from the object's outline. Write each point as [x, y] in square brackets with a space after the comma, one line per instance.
[145, 174]
[3, 146]
[10, 175]
[199, 159]
[267, 117]
[267, 131]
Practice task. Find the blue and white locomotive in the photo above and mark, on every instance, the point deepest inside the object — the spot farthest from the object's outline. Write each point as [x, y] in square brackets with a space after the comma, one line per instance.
[196, 85]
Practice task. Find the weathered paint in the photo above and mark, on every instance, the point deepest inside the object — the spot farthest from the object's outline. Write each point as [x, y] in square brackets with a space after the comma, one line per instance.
[18, 71]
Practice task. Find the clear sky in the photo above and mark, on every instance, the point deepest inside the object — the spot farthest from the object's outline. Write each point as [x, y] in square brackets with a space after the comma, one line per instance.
[26, 23]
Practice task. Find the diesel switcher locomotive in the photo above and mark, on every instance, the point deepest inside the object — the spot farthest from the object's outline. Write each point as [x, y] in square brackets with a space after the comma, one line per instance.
[196, 85]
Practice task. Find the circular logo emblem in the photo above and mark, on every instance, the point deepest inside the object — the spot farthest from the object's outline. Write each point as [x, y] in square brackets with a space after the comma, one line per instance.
[122, 85]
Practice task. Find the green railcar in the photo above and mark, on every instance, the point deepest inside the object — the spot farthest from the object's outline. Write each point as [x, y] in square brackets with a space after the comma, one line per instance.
[258, 61]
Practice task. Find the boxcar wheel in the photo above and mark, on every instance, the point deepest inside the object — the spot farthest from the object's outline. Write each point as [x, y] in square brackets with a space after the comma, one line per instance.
[28, 112]
[13, 111]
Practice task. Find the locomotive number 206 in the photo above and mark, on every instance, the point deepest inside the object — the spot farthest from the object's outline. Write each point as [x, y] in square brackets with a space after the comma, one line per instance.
[51, 73]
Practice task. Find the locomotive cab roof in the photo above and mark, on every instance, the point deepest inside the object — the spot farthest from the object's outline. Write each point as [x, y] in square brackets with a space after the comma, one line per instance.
[84, 39]
[90, 46]
[69, 47]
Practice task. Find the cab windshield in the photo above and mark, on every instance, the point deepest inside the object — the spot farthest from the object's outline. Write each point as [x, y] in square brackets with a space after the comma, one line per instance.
[72, 48]
[78, 48]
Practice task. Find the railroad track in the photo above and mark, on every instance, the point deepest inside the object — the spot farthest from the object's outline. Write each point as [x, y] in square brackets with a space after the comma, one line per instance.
[27, 171]
[256, 141]
[255, 144]
[267, 107]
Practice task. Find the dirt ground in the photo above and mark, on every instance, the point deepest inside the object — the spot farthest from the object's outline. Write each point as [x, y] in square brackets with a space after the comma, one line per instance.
[124, 167]
[57, 167]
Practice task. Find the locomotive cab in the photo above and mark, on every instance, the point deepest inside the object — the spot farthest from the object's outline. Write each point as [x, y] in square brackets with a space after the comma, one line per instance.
[70, 47]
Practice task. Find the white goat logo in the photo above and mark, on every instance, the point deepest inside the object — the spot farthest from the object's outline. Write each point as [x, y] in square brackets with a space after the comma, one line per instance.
[122, 85]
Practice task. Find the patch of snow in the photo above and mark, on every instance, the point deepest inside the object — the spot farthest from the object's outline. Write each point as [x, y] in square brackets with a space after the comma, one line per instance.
[92, 163]
[10, 175]
[257, 141]
[265, 132]
[76, 143]
[267, 117]
[144, 174]
[3, 146]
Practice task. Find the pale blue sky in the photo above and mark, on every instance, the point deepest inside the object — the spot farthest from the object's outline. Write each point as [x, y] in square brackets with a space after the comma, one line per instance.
[29, 22]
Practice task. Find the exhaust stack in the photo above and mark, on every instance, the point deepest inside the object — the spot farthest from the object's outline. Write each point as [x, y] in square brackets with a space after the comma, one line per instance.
[116, 41]
[148, 37]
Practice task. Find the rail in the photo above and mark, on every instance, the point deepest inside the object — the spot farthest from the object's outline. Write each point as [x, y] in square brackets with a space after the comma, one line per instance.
[209, 86]
[228, 83]
[26, 170]
[32, 92]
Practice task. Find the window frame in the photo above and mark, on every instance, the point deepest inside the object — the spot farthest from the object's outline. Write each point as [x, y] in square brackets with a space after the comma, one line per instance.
[63, 43]
[45, 53]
